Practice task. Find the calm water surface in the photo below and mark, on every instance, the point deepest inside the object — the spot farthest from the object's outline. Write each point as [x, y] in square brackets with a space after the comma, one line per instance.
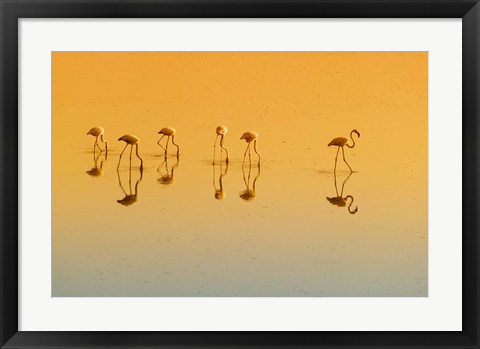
[289, 227]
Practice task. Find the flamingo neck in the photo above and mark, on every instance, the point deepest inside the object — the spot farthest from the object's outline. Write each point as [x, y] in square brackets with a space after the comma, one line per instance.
[353, 141]
[175, 144]
[255, 148]
[136, 152]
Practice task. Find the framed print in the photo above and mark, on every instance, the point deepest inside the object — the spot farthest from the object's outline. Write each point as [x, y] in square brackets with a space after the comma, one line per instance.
[228, 173]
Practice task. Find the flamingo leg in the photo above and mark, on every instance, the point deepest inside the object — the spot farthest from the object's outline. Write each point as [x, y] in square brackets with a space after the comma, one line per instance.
[343, 152]
[166, 146]
[120, 158]
[336, 156]
[160, 144]
[245, 154]
[214, 147]
[131, 150]
[249, 155]
[96, 143]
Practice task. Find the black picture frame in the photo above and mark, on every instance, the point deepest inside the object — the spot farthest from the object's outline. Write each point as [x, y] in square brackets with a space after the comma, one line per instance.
[12, 10]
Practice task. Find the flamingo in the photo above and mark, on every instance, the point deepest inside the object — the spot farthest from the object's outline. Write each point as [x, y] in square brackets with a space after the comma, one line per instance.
[221, 131]
[132, 141]
[249, 137]
[98, 132]
[340, 142]
[169, 132]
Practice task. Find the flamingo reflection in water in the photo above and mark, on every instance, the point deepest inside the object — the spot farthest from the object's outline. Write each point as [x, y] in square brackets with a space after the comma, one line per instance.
[130, 198]
[97, 170]
[340, 200]
[168, 176]
[220, 193]
[249, 194]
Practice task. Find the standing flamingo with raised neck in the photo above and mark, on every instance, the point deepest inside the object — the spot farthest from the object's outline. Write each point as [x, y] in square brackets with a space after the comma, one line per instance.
[221, 131]
[98, 132]
[169, 132]
[340, 142]
[250, 137]
[132, 141]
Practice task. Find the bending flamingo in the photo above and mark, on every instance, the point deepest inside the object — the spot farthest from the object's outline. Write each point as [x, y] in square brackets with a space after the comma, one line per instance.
[250, 137]
[169, 132]
[132, 141]
[221, 131]
[98, 132]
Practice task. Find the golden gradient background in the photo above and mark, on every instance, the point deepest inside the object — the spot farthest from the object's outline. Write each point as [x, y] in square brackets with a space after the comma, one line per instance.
[177, 239]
